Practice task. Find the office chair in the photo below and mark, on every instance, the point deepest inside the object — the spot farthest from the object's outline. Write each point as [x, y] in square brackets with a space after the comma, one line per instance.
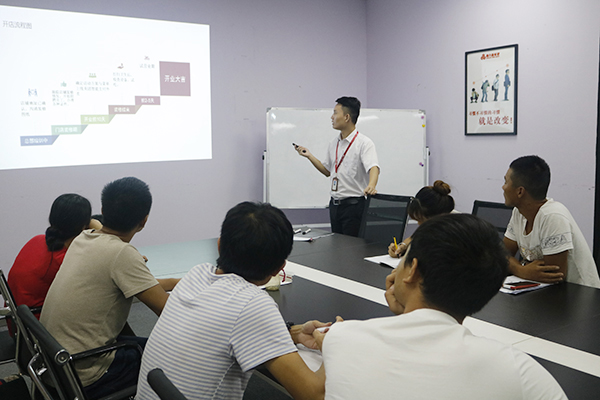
[17, 344]
[163, 387]
[8, 349]
[497, 214]
[384, 218]
[52, 367]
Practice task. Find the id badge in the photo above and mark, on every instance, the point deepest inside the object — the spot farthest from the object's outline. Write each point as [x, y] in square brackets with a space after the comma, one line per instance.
[334, 184]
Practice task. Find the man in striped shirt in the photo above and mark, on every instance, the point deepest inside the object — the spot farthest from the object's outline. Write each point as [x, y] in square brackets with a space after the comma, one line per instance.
[218, 325]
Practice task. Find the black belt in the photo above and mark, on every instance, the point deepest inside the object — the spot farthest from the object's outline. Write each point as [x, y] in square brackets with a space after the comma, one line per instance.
[346, 201]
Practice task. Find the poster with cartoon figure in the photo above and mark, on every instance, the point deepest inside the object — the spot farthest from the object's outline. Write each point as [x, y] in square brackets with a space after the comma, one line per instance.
[491, 91]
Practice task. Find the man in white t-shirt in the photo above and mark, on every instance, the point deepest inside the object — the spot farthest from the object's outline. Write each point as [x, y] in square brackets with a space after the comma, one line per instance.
[454, 265]
[351, 163]
[551, 244]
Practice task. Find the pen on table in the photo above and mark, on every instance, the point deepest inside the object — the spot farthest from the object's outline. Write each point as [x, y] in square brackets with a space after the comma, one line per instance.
[306, 231]
[297, 231]
[521, 285]
[312, 239]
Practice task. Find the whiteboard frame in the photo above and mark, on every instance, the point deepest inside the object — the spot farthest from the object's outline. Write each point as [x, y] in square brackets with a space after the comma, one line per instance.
[393, 131]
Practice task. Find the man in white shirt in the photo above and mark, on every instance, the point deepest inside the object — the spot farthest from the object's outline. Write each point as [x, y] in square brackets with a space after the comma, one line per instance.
[552, 247]
[454, 265]
[351, 163]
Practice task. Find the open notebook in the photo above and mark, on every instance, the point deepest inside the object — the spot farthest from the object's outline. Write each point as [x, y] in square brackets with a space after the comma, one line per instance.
[384, 260]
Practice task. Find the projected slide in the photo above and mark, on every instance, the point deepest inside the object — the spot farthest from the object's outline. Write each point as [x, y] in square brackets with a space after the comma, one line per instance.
[79, 89]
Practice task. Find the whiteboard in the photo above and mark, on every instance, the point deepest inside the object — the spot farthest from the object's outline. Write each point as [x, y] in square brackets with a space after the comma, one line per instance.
[291, 181]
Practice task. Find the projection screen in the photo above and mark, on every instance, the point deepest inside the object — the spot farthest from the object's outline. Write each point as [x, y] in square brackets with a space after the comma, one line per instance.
[81, 89]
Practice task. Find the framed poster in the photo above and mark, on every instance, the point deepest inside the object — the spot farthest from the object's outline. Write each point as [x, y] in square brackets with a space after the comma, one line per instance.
[491, 91]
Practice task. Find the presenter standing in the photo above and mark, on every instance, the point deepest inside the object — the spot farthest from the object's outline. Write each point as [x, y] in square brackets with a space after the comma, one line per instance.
[351, 163]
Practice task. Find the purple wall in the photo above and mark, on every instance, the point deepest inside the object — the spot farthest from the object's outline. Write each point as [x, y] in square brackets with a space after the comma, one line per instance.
[264, 53]
[416, 51]
[389, 53]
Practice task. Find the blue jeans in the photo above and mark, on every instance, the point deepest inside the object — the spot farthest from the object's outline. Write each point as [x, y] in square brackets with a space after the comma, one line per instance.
[122, 373]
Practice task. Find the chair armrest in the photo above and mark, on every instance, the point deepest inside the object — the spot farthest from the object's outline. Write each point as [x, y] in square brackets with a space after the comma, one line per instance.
[6, 311]
[36, 310]
[106, 349]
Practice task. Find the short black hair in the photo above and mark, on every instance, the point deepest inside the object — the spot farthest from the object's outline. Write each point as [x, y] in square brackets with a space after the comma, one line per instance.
[351, 106]
[125, 203]
[533, 173]
[431, 201]
[462, 262]
[69, 215]
[256, 239]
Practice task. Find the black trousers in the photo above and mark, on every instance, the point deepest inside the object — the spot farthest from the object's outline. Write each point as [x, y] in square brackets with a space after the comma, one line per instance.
[346, 216]
[122, 373]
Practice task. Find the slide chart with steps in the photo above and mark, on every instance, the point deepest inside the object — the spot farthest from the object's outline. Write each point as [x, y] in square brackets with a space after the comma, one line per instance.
[97, 89]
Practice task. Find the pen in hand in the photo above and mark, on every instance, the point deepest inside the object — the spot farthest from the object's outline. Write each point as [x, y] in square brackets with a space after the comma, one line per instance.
[296, 147]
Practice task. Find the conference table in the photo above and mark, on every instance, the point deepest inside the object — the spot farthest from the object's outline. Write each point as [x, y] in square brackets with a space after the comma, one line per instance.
[558, 325]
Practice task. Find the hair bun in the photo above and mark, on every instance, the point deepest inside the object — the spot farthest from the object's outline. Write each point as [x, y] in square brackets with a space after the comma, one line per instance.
[441, 187]
[55, 233]
[55, 239]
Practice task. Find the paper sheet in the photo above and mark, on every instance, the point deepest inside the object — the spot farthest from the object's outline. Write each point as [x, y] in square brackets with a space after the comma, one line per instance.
[384, 260]
[512, 279]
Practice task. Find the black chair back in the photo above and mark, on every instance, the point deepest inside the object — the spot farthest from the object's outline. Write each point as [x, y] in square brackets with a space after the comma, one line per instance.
[384, 218]
[22, 349]
[163, 387]
[52, 364]
[497, 214]
[8, 349]
[52, 367]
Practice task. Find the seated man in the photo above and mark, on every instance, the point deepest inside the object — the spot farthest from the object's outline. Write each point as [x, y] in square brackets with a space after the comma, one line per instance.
[454, 265]
[218, 325]
[89, 300]
[552, 246]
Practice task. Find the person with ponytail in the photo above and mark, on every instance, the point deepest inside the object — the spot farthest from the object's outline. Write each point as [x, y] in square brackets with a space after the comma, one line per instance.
[429, 202]
[38, 261]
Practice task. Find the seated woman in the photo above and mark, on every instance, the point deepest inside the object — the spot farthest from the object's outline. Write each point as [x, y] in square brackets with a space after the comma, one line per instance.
[429, 202]
[38, 261]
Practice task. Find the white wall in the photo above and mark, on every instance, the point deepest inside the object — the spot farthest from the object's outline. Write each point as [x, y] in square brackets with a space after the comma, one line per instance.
[416, 51]
[264, 53]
